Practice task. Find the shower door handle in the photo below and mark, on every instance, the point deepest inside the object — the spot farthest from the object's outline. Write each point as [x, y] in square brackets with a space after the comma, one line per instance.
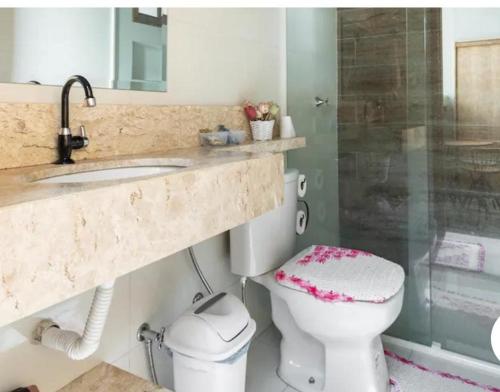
[320, 101]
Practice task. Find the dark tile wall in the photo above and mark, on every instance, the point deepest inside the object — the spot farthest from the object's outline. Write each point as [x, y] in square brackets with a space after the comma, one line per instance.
[401, 191]
[389, 81]
[384, 89]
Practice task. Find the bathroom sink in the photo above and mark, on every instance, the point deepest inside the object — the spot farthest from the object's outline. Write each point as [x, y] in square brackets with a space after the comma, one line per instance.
[117, 173]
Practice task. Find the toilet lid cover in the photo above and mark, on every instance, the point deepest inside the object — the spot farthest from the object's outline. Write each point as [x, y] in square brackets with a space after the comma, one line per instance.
[334, 274]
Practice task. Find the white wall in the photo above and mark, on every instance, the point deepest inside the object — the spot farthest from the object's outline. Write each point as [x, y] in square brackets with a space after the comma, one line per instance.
[460, 25]
[218, 56]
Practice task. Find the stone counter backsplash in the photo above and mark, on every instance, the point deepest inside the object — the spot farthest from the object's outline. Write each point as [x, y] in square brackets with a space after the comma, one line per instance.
[29, 131]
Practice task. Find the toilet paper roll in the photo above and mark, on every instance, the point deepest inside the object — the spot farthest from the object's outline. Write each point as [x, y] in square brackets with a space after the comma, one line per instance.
[287, 128]
[300, 224]
[302, 185]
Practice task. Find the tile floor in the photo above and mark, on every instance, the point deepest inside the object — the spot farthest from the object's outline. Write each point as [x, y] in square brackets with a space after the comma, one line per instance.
[263, 359]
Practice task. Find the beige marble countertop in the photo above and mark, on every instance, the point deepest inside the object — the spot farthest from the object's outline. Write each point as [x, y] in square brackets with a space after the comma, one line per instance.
[59, 240]
[18, 185]
[107, 378]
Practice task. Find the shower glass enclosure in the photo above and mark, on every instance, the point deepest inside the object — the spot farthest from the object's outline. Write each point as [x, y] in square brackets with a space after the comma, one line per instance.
[404, 159]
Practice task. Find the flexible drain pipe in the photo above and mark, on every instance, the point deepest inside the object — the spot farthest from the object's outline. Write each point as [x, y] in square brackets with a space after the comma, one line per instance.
[75, 346]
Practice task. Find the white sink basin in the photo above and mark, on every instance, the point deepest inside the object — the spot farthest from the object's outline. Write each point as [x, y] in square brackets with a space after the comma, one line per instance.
[117, 173]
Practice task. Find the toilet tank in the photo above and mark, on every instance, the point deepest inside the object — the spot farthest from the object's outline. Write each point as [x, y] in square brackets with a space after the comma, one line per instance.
[266, 242]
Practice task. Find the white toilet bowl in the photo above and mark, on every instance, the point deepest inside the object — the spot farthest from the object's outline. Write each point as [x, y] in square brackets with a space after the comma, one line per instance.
[331, 304]
[331, 347]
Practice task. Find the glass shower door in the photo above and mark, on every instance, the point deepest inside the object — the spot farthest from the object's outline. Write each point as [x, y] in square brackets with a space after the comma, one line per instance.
[384, 163]
[367, 158]
[465, 261]
[404, 160]
[311, 69]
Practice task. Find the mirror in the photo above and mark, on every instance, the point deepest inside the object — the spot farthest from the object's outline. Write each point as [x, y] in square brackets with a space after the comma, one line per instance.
[117, 48]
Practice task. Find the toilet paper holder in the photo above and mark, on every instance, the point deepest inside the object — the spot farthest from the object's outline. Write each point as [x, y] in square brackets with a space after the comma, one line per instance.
[301, 185]
[306, 213]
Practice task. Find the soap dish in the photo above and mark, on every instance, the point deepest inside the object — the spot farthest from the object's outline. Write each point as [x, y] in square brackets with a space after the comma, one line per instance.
[214, 138]
[236, 137]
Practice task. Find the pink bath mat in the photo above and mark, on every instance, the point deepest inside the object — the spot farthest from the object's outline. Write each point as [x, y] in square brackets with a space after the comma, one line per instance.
[395, 386]
[460, 254]
[408, 376]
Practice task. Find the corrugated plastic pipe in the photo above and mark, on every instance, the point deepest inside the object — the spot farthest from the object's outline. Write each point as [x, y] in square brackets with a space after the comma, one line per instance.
[75, 346]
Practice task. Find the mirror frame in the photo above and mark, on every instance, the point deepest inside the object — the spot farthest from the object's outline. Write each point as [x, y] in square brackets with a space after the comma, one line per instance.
[158, 20]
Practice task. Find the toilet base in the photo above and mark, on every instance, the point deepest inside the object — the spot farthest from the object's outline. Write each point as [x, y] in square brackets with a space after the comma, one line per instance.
[331, 347]
[332, 365]
[297, 371]
[302, 363]
[353, 368]
[356, 366]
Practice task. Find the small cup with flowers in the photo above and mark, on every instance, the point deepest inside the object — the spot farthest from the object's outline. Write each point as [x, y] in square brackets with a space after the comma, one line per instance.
[261, 118]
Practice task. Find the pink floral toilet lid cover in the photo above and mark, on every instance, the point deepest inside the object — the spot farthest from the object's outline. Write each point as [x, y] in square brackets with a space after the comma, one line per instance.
[333, 274]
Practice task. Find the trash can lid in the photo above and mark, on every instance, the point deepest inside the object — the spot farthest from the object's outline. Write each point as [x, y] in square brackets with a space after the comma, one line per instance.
[213, 329]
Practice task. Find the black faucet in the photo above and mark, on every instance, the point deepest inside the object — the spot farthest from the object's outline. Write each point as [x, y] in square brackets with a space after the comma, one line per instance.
[66, 142]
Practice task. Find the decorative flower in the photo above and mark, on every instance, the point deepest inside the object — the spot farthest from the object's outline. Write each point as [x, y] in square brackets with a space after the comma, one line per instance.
[250, 112]
[274, 109]
[264, 107]
[264, 111]
[280, 275]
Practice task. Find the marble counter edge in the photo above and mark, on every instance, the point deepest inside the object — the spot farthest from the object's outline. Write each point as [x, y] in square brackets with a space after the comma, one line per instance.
[273, 145]
[99, 247]
[108, 378]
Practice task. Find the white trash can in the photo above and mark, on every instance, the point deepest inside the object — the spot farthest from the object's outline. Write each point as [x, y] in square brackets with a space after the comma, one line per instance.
[209, 344]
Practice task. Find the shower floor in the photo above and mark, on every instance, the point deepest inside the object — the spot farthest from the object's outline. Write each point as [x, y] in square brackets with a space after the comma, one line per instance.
[411, 370]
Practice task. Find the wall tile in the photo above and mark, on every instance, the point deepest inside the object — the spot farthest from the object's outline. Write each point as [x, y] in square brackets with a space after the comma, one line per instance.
[382, 79]
[161, 291]
[213, 258]
[416, 19]
[381, 50]
[348, 109]
[359, 22]
[417, 110]
[347, 52]
[373, 110]
[123, 362]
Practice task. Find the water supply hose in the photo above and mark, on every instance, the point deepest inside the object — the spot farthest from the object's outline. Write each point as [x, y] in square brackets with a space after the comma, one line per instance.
[199, 271]
[243, 282]
[151, 362]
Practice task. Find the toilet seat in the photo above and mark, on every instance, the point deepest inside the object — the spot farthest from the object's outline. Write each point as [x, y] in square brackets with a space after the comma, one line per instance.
[334, 274]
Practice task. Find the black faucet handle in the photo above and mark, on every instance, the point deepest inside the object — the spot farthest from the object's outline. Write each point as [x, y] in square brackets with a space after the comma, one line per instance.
[83, 134]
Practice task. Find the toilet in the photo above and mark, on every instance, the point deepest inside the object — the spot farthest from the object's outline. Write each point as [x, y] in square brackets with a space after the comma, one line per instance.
[330, 304]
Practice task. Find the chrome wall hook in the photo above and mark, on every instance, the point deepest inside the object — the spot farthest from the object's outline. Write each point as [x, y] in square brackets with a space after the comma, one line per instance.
[320, 101]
